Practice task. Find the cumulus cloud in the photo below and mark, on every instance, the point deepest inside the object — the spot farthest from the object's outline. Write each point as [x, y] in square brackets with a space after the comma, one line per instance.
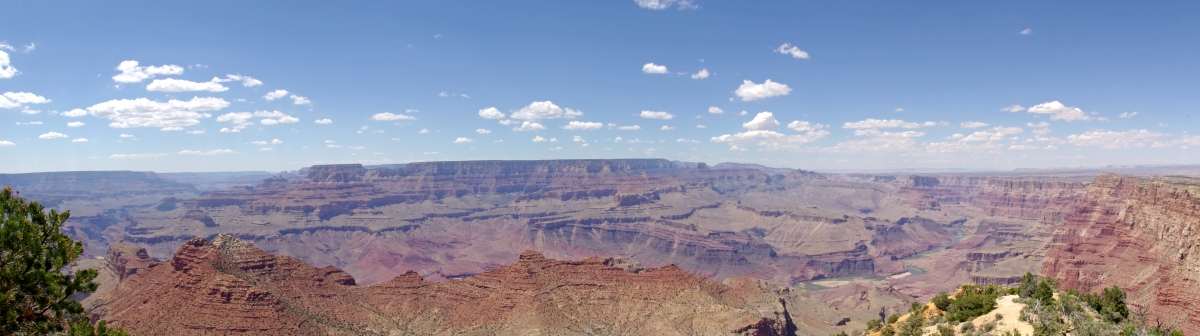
[583, 126]
[80, 140]
[995, 134]
[1186, 141]
[463, 140]
[652, 68]
[491, 113]
[656, 115]
[664, 4]
[1042, 124]
[74, 113]
[804, 126]
[539, 139]
[529, 126]
[52, 135]
[973, 124]
[629, 128]
[211, 152]
[1128, 114]
[423, 131]
[749, 91]
[791, 50]
[762, 121]
[885, 123]
[132, 73]
[12, 100]
[181, 85]
[571, 114]
[323, 121]
[687, 140]
[701, 126]
[241, 120]
[126, 136]
[667, 128]
[298, 100]
[482, 131]
[6, 68]
[6, 143]
[136, 156]
[274, 117]
[75, 124]
[1113, 139]
[878, 142]
[247, 81]
[142, 112]
[1014, 108]
[715, 110]
[1058, 111]
[539, 110]
[195, 132]
[1027, 31]
[770, 140]
[273, 95]
[702, 74]
[389, 116]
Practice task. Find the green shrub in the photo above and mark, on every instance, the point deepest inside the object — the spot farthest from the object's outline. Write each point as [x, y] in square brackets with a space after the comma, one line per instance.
[973, 303]
[942, 301]
[893, 318]
[873, 325]
[945, 330]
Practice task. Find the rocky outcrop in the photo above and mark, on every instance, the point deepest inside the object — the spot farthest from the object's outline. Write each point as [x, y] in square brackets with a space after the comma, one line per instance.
[125, 259]
[227, 286]
[1142, 235]
[1025, 199]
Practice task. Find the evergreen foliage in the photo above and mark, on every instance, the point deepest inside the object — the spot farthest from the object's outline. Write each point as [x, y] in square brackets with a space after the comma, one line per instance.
[35, 293]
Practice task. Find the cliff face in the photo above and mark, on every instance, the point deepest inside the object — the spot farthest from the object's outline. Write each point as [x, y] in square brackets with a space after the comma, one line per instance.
[230, 286]
[1140, 234]
[1025, 199]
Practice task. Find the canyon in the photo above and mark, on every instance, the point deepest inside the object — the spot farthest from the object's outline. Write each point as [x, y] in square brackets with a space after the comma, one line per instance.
[847, 245]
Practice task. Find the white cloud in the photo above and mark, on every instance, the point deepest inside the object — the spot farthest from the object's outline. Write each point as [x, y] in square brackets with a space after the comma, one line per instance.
[276, 142]
[553, 139]
[132, 73]
[770, 140]
[539, 110]
[995, 134]
[749, 91]
[463, 140]
[539, 139]
[273, 95]
[789, 49]
[323, 121]
[126, 136]
[75, 124]
[715, 110]
[652, 68]
[804, 126]
[885, 123]
[1186, 141]
[879, 142]
[266, 149]
[687, 140]
[762, 121]
[423, 131]
[171, 128]
[136, 156]
[142, 112]
[629, 128]
[1058, 111]
[529, 126]
[6, 143]
[181, 85]
[664, 4]
[12, 100]
[211, 152]
[1042, 124]
[701, 126]
[491, 113]
[52, 135]
[80, 140]
[700, 75]
[247, 81]
[656, 115]
[973, 124]
[1113, 139]
[298, 100]
[583, 126]
[1128, 114]
[482, 131]
[1027, 31]
[388, 116]
[75, 113]
[577, 139]
[274, 117]
[571, 114]
[667, 128]
[260, 142]
[6, 68]
[1014, 108]
[618, 139]
[899, 109]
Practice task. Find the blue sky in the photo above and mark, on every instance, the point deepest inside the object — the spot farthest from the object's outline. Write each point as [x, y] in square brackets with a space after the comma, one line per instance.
[866, 85]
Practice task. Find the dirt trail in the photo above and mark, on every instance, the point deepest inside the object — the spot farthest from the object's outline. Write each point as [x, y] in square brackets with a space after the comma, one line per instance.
[1010, 310]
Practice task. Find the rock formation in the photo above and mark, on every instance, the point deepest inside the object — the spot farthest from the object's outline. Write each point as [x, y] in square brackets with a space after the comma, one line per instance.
[1142, 235]
[229, 286]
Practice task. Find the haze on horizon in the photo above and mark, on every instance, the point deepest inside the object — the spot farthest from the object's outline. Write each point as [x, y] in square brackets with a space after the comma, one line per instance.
[815, 85]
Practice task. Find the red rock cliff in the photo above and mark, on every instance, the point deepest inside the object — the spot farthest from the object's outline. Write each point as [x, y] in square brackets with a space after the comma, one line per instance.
[1140, 234]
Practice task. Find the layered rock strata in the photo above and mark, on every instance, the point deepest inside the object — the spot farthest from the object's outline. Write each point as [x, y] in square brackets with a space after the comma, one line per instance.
[228, 286]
